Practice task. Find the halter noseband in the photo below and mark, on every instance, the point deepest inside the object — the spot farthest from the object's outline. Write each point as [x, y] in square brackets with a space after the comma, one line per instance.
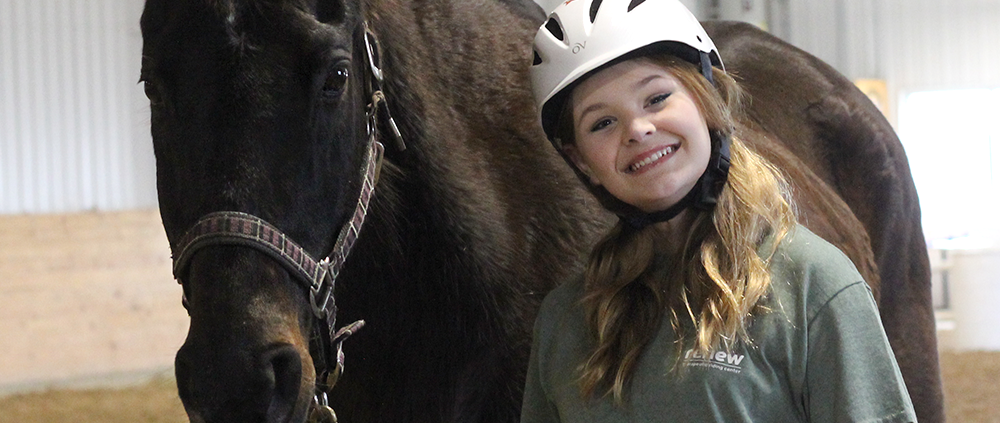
[317, 276]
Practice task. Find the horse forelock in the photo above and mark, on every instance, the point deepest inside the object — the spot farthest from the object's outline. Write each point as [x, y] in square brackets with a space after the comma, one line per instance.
[241, 17]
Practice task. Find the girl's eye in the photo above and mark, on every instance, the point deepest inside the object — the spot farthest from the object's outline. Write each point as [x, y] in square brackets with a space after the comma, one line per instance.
[601, 124]
[659, 98]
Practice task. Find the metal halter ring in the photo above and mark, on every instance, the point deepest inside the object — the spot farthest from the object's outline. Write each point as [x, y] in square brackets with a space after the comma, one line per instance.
[371, 47]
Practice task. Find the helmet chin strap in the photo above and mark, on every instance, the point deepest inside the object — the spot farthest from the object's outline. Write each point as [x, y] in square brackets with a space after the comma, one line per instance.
[703, 196]
[706, 67]
[639, 221]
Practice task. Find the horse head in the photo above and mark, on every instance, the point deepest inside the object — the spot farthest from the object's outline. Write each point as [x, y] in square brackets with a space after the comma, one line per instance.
[257, 107]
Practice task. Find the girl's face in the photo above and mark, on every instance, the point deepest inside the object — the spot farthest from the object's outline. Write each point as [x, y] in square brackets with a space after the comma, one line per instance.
[639, 134]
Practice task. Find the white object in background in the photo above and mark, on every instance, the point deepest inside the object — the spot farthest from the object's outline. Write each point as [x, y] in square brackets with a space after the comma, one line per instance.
[958, 180]
[941, 264]
[974, 280]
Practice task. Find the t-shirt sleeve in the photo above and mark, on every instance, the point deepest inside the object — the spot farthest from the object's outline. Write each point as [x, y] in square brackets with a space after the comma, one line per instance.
[537, 406]
[851, 372]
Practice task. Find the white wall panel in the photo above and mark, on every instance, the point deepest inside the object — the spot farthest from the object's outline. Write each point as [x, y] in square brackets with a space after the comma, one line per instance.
[913, 44]
[842, 33]
[813, 28]
[73, 120]
[931, 44]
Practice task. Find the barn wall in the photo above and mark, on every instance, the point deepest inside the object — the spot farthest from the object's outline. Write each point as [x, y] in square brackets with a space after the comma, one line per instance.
[74, 125]
[932, 44]
[913, 45]
[85, 297]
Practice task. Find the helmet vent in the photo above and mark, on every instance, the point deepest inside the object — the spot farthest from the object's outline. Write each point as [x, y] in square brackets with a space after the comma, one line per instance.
[553, 27]
[593, 9]
[634, 3]
[537, 60]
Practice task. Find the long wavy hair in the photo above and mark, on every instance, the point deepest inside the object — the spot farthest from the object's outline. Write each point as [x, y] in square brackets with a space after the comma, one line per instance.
[709, 289]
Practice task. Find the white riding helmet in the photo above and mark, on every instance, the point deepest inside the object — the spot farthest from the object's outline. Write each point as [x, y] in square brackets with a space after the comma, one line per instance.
[581, 36]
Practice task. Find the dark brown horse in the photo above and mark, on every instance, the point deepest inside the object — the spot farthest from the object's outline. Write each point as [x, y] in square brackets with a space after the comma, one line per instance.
[260, 107]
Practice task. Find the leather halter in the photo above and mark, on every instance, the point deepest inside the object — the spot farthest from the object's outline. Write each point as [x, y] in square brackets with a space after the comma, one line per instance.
[318, 276]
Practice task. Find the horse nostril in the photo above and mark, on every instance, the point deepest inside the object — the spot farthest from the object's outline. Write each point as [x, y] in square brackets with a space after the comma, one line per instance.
[284, 371]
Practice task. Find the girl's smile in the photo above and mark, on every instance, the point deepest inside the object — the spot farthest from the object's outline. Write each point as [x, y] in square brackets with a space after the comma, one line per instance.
[653, 158]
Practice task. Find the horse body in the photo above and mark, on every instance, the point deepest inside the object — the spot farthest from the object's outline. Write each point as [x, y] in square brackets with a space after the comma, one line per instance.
[259, 107]
[836, 132]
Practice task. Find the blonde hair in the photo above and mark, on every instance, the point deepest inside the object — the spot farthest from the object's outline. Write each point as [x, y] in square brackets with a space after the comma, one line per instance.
[713, 286]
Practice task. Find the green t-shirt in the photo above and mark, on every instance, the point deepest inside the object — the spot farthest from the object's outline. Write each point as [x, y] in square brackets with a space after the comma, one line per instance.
[819, 355]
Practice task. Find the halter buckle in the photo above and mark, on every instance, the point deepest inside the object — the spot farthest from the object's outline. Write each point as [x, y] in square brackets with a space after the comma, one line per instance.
[322, 413]
[379, 104]
[371, 49]
[321, 291]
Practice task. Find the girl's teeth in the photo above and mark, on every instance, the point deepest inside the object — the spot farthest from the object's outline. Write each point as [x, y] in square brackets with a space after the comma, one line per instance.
[656, 156]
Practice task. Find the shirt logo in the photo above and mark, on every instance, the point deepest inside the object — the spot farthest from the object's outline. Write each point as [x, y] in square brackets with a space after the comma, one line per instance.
[719, 360]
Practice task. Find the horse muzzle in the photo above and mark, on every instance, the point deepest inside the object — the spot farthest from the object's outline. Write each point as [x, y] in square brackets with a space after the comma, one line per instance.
[246, 358]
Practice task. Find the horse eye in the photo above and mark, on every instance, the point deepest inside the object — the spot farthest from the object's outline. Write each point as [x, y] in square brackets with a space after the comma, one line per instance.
[335, 82]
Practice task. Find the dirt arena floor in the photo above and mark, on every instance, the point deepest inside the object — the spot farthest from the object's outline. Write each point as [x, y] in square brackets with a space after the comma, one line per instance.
[971, 383]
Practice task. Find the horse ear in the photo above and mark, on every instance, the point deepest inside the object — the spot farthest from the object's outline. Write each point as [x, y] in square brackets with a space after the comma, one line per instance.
[330, 11]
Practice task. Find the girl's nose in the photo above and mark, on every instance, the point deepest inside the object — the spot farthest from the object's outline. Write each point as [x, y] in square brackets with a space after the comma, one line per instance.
[639, 129]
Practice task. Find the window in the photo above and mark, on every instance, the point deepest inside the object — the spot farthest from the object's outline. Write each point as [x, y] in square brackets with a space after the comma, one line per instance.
[952, 140]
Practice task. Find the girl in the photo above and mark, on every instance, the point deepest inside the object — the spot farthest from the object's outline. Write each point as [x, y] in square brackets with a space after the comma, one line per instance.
[707, 301]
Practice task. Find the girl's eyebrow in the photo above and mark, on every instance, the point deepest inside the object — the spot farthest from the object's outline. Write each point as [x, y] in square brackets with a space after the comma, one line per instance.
[597, 106]
[591, 108]
[645, 81]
